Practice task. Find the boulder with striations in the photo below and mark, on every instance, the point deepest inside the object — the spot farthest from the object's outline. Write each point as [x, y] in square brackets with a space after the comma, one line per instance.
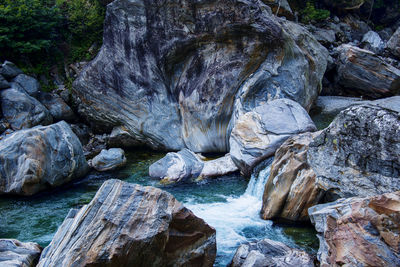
[176, 74]
[131, 225]
[40, 158]
[359, 231]
[259, 133]
[14, 253]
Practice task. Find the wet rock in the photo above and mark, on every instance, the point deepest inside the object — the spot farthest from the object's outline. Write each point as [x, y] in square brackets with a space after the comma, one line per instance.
[291, 188]
[8, 70]
[14, 253]
[259, 133]
[177, 167]
[120, 137]
[176, 81]
[29, 84]
[356, 155]
[359, 231]
[373, 42]
[3, 83]
[131, 225]
[109, 160]
[267, 252]
[362, 71]
[36, 159]
[218, 167]
[394, 43]
[23, 111]
[57, 107]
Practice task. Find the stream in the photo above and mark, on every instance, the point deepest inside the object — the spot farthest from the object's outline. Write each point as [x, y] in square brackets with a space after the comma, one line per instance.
[231, 204]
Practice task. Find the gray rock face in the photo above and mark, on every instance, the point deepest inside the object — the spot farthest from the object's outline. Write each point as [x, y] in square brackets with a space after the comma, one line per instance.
[373, 42]
[259, 133]
[218, 167]
[39, 158]
[131, 225]
[359, 153]
[109, 159]
[14, 253]
[333, 105]
[28, 84]
[362, 71]
[359, 231]
[172, 72]
[3, 83]
[8, 70]
[120, 137]
[394, 43]
[59, 110]
[177, 167]
[23, 111]
[267, 253]
[325, 36]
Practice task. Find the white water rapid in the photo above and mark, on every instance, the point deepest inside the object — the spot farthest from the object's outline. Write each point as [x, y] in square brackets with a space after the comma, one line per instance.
[238, 219]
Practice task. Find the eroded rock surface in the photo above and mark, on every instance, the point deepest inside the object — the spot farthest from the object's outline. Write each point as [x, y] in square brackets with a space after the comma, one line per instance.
[218, 167]
[267, 253]
[362, 71]
[58, 109]
[259, 133]
[14, 253]
[131, 225]
[29, 84]
[109, 159]
[176, 73]
[40, 158]
[359, 231]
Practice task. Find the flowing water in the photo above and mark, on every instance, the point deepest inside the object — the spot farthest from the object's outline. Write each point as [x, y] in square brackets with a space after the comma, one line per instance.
[230, 204]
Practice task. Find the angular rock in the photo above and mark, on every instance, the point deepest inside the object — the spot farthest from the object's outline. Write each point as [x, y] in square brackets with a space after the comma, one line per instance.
[267, 253]
[291, 189]
[171, 72]
[359, 153]
[373, 42]
[363, 72]
[177, 167]
[109, 160]
[95, 145]
[131, 225]
[23, 111]
[218, 167]
[82, 131]
[8, 70]
[18, 254]
[36, 159]
[120, 137]
[359, 231]
[57, 107]
[3, 83]
[325, 36]
[259, 133]
[394, 43]
[29, 84]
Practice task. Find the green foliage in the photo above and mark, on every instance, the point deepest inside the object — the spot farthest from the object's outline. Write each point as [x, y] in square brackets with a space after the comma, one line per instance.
[27, 27]
[310, 13]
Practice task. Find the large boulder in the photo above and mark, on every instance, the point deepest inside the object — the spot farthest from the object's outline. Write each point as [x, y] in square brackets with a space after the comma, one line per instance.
[361, 71]
[58, 109]
[373, 42]
[8, 70]
[40, 158]
[14, 253]
[109, 160]
[260, 132]
[394, 43]
[218, 167]
[357, 155]
[23, 111]
[359, 231]
[290, 189]
[28, 84]
[131, 225]
[175, 73]
[177, 167]
[267, 253]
